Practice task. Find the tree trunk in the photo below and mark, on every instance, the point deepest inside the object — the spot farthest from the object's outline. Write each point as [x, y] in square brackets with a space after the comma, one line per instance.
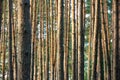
[3, 50]
[81, 41]
[40, 41]
[47, 44]
[100, 56]
[73, 40]
[60, 35]
[10, 41]
[116, 40]
[34, 24]
[106, 37]
[24, 40]
[52, 40]
[36, 59]
[14, 50]
[92, 20]
[95, 39]
[15, 43]
[66, 40]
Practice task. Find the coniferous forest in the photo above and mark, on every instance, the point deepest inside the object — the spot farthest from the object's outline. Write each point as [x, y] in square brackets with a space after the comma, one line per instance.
[59, 39]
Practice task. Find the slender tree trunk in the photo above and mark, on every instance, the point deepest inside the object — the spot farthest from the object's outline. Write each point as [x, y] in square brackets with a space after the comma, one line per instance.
[3, 49]
[116, 40]
[55, 39]
[73, 40]
[68, 33]
[90, 39]
[15, 43]
[76, 40]
[89, 54]
[24, 40]
[104, 18]
[14, 50]
[41, 54]
[106, 35]
[103, 40]
[66, 40]
[3, 42]
[34, 24]
[42, 47]
[107, 23]
[55, 42]
[47, 43]
[95, 39]
[60, 35]
[100, 57]
[10, 41]
[81, 41]
[52, 40]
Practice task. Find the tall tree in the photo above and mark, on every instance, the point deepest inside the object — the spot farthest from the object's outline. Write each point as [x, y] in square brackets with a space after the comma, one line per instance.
[73, 40]
[100, 56]
[60, 35]
[76, 32]
[14, 39]
[40, 41]
[34, 23]
[52, 40]
[116, 40]
[3, 41]
[24, 40]
[92, 13]
[47, 42]
[81, 41]
[95, 39]
[10, 41]
[3, 48]
[106, 38]
[55, 40]
[66, 39]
